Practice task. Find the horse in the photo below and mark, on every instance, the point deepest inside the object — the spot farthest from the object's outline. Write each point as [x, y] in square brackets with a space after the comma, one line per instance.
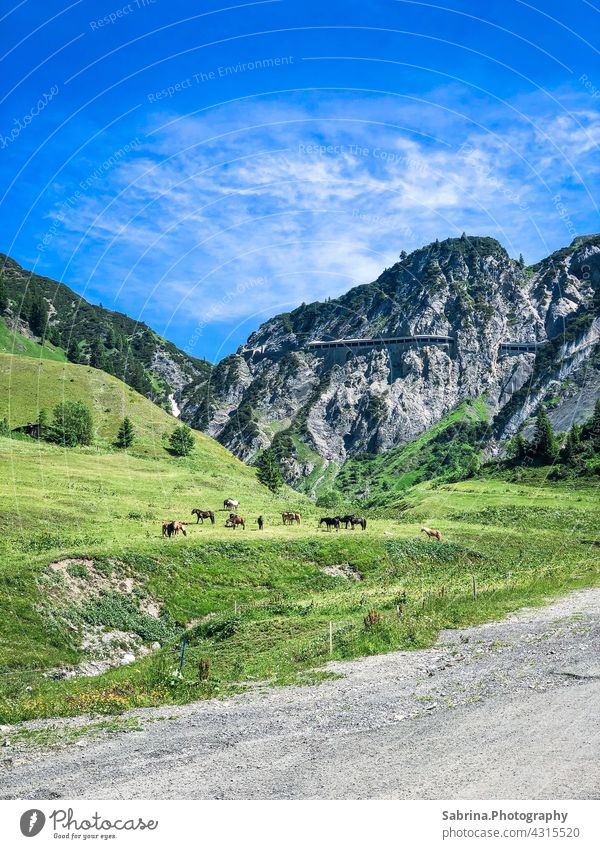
[234, 521]
[203, 514]
[230, 502]
[289, 518]
[172, 528]
[431, 532]
[358, 520]
[347, 520]
[330, 522]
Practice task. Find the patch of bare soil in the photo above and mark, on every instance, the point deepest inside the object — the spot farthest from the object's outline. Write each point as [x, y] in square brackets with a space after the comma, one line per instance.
[73, 581]
[342, 570]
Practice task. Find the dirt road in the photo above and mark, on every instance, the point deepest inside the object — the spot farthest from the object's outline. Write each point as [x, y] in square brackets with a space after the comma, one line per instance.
[504, 710]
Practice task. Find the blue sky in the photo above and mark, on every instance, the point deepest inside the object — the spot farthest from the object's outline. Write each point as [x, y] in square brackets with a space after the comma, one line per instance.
[202, 166]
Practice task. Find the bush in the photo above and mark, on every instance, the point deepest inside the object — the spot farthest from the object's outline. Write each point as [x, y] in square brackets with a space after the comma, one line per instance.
[73, 423]
[181, 441]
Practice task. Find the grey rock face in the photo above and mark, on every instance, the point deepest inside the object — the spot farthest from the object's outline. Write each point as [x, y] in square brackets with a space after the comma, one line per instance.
[373, 399]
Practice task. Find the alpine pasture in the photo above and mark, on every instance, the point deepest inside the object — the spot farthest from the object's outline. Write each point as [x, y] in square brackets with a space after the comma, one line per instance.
[82, 556]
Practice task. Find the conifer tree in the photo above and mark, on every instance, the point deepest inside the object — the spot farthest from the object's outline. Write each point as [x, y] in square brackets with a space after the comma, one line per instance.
[268, 471]
[544, 446]
[126, 434]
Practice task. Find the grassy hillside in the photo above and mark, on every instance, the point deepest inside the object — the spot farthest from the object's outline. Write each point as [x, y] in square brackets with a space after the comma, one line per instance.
[81, 556]
[28, 385]
[15, 343]
[89, 333]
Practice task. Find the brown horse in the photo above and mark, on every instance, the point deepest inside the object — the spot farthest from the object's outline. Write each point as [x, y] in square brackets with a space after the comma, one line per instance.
[289, 518]
[234, 521]
[172, 528]
[203, 514]
[431, 532]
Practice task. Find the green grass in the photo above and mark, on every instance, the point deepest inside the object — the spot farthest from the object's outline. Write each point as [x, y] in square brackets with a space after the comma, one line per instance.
[28, 385]
[256, 606]
[262, 603]
[15, 343]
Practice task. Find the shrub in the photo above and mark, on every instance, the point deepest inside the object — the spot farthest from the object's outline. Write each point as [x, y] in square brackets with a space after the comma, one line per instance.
[181, 441]
[218, 629]
[203, 668]
[73, 423]
[372, 618]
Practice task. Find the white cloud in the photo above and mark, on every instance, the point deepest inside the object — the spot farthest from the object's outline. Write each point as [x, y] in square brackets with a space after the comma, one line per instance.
[312, 198]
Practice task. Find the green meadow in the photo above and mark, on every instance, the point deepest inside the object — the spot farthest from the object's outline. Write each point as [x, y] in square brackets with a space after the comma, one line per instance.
[81, 551]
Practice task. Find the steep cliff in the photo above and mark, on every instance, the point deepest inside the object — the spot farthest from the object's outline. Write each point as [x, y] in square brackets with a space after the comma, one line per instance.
[470, 300]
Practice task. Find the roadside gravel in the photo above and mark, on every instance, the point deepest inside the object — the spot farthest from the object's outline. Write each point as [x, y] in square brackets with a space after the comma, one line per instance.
[509, 709]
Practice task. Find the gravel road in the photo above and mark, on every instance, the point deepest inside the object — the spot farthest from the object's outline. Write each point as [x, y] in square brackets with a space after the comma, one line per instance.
[506, 710]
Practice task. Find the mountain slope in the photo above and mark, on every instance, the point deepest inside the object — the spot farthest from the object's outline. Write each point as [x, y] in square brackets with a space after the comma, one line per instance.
[28, 385]
[468, 291]
[36, 306]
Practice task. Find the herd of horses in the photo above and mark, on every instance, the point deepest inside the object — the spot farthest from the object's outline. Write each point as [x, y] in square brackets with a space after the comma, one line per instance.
[173, 528]
[337, 521]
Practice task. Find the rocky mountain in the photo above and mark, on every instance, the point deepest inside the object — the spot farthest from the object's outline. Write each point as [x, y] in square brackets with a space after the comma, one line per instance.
[455, 320]
[42, 308]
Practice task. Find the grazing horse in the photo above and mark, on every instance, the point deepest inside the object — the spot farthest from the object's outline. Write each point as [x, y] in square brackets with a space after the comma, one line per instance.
[358, 520]
[330, 522]
[289, 518]
[170, 529]
[234, 521]
[347, 520]
[203, 514]
[230, 502]
[432, 533]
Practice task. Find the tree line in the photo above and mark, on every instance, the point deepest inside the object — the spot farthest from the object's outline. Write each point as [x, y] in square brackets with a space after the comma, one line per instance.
[576, 452]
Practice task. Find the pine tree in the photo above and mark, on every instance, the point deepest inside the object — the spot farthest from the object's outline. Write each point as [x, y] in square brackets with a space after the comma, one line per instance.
[521, 261]
[42, 423]
[3, 296]
[268, 471]
[97, 354]
[591, 429]
[518, 449]
[572, 445]
[38, 315]
[181, 441]
[126, 433]
[544, 446]
[73, 352]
